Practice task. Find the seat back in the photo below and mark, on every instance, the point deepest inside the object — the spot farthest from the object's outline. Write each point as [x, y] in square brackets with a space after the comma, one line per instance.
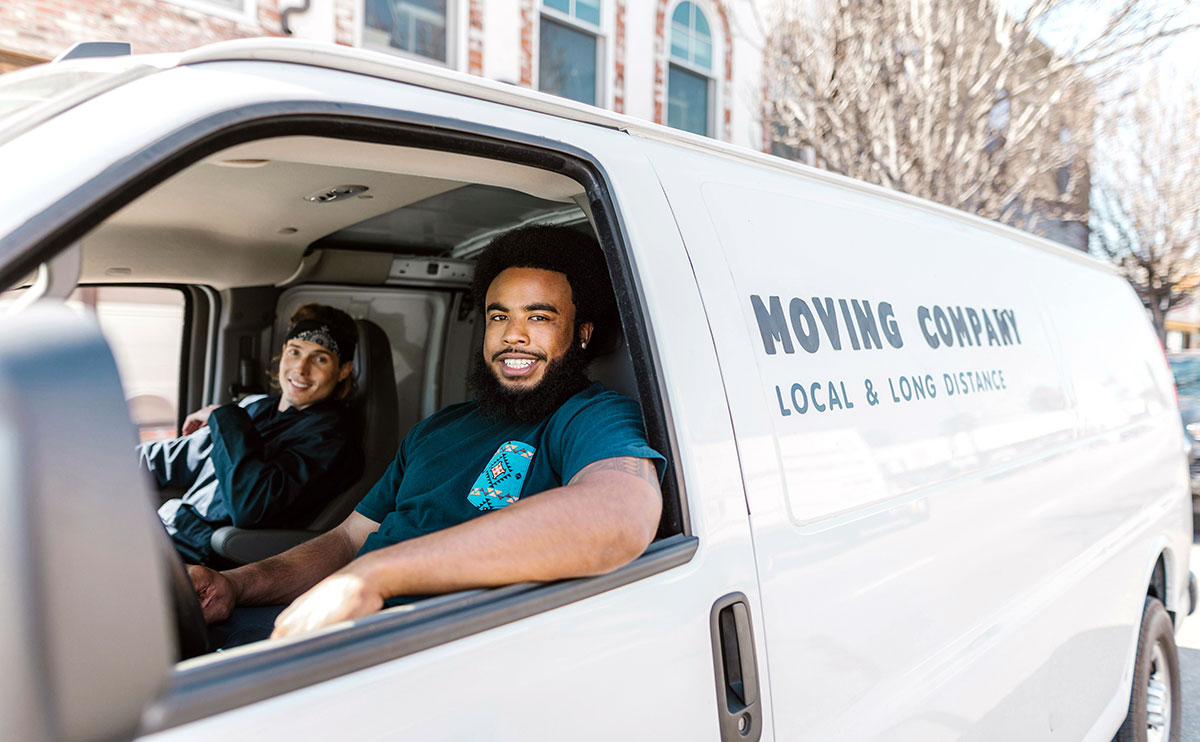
[374, 412]
[374, 415]
[612, 367]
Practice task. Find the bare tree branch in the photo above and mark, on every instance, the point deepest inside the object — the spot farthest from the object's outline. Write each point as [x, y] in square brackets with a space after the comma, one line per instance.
[1147, 194]
[957, 101]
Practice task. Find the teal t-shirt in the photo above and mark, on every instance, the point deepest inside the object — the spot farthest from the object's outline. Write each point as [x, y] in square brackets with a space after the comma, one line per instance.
[458, 463]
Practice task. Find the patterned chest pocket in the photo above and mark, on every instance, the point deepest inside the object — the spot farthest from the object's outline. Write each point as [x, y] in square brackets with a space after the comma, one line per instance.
[500, 482]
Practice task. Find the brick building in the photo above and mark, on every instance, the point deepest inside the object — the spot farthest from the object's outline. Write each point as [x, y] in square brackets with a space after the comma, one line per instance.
[33, 31]
[693, 64]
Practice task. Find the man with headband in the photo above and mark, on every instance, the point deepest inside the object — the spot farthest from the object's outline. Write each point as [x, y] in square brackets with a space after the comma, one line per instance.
[271, 461]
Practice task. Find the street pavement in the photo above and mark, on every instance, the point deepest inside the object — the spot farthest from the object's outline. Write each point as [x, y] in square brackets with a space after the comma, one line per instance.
[1188, 640]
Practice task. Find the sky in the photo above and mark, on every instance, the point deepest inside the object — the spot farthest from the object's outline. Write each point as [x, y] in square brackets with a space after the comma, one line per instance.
[1084, 18]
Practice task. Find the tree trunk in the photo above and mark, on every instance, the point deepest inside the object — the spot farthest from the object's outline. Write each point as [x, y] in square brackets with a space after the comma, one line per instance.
[1159, 318]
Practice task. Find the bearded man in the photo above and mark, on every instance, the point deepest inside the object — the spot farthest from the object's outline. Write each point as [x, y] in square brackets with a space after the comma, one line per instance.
[543, 476]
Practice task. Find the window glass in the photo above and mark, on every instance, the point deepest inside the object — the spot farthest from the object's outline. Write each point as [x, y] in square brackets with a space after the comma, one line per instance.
[679, 45]
[702, 52]
[567, 62]
[587, 11]
[687, 100]
[144, 328]
[691, 40]
[681, 18]
[688, 91]
[414, 26]
[237, 5]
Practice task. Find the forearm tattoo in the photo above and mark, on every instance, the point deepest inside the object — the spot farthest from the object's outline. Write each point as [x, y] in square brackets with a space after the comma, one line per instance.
[640, 468]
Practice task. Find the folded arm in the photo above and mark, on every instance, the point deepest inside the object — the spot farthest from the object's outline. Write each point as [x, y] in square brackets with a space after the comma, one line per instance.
[256, 489]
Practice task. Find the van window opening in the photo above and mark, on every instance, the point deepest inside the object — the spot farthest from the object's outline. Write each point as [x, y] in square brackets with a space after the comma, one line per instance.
[668, 551]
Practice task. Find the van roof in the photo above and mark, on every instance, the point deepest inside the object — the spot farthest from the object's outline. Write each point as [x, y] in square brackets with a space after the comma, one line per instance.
[391, 67]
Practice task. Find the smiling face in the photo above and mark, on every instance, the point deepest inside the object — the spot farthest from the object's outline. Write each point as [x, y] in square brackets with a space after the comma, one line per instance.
[308, 373]
[530, 323]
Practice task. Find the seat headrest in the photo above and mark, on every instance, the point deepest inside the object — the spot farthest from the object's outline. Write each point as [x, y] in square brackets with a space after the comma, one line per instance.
[607, 340]
[372, 358]
[373, 411]
[612, 366]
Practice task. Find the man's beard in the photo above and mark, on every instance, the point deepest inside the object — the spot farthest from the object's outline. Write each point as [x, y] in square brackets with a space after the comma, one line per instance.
[562, 379]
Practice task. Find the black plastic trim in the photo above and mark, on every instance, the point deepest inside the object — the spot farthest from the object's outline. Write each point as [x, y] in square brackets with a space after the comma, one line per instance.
[739, 707]
[238, 681]
[185, 352]
[195, 351]
[94, 49]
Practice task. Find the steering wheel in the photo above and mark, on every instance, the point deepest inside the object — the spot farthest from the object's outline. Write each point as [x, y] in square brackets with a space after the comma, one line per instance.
[191, 633]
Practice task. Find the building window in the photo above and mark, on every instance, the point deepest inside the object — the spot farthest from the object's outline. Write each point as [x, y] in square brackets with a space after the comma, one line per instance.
[416, 27]
[238, 10]
[1175, 341]
[569, 49]
[689, 78]
[234, 5]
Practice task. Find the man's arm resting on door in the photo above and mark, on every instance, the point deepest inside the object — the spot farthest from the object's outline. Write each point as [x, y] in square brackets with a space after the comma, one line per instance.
[602, 519]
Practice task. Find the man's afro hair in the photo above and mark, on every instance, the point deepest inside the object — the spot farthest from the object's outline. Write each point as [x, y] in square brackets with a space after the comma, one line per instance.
[565, 250]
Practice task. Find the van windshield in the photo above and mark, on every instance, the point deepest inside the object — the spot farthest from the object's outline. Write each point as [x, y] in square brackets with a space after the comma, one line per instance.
[28, 96]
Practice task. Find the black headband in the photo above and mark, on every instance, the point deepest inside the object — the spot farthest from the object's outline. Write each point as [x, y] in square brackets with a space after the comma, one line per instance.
[314, 331]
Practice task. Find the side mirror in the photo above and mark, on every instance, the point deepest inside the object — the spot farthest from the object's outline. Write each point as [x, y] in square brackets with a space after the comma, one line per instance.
[86, 633]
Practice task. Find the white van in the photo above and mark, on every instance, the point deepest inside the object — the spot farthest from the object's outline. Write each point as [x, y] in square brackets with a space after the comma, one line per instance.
[927, 477]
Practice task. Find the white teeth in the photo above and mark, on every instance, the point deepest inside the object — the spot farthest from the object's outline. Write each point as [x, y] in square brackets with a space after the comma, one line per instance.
[518, 362]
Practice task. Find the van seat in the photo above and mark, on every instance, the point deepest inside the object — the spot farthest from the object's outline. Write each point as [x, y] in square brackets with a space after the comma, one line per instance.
[374, 414]
[612, 367]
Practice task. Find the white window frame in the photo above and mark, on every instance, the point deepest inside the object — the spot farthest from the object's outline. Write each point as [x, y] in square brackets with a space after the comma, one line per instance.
[248, 15]
[602, 34]
[718, 57]
[456, 37]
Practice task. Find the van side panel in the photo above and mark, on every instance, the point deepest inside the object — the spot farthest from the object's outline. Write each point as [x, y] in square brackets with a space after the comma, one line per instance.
[960, 449]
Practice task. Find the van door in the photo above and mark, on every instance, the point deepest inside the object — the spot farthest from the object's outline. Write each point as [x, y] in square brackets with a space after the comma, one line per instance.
[659, 651]
[932, 566]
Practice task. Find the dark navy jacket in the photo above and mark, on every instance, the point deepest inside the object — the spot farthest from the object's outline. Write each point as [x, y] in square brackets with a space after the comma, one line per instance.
[253, 467]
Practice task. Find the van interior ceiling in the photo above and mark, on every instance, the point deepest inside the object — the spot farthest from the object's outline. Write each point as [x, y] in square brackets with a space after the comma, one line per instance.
[251, 214]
